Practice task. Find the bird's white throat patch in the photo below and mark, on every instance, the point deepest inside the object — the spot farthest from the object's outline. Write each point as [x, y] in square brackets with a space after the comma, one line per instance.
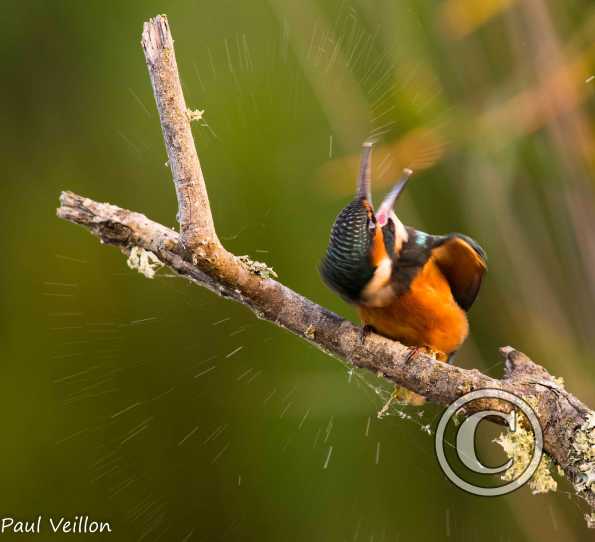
[378, 292]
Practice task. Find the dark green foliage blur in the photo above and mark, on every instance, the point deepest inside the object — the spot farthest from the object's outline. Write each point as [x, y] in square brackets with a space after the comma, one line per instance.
[177, 415]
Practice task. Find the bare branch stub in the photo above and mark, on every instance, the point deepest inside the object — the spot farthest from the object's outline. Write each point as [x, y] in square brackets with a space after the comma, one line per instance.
[194, 212]
[562, 416]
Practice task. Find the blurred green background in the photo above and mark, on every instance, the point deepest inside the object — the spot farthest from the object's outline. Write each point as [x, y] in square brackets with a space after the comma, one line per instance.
[176, 415]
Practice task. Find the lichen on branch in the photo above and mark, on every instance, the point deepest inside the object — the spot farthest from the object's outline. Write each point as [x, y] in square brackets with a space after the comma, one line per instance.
[144, 261]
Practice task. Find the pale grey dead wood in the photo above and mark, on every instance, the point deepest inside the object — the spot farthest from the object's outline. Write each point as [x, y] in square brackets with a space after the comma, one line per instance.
[196, 225]
[202, 259]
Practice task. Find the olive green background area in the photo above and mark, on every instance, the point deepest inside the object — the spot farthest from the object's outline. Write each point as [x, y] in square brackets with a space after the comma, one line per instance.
[177, 415]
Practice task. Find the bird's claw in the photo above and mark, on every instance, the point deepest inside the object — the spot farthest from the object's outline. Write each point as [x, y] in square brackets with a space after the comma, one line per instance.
[364, 331]
[415, 350]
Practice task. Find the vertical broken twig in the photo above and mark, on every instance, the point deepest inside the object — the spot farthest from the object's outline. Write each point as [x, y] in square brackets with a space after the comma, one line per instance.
[196, 225]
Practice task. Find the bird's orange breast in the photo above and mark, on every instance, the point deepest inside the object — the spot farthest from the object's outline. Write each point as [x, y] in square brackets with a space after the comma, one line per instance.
[425, 315]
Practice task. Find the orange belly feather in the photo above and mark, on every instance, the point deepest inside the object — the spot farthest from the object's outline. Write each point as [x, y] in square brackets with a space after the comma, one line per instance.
[426, 315]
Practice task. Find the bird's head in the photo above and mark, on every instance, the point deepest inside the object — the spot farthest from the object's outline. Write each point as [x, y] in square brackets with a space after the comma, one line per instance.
[363, 242]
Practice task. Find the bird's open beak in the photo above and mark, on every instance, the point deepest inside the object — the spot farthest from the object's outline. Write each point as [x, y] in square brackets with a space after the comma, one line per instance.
[364, 180]
[387, 206]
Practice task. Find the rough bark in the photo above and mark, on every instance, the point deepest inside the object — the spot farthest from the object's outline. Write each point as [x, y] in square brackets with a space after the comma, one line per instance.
[158, 46]
[197, 255]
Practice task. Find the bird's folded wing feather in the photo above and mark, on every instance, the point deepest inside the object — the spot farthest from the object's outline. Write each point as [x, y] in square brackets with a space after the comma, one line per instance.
[463, 263]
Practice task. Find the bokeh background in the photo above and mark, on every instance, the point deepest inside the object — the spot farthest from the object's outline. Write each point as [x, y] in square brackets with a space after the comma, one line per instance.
[178, 416]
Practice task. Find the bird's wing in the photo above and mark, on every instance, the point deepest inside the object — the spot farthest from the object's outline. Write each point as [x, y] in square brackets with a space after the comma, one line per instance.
[463, 262]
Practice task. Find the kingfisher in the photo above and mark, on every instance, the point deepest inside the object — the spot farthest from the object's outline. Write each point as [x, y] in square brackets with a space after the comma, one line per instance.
[407, 285]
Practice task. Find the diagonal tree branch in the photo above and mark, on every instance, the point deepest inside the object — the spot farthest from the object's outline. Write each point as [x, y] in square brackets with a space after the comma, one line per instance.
[197, 255]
